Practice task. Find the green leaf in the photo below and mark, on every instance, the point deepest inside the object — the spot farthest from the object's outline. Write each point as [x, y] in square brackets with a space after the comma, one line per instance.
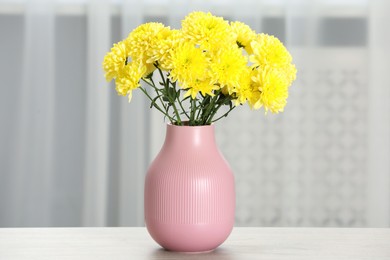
[149, 76]
[206, 101]
[172, 93]
[184, 99]
[153, 102]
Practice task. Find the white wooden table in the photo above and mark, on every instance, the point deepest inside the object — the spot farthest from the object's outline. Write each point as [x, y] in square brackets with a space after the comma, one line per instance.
[243, 243]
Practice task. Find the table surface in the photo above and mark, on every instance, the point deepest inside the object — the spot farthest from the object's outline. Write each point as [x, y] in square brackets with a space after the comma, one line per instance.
[243, 243]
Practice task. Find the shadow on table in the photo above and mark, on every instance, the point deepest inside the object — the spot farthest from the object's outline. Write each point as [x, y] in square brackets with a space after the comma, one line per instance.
[219, 253]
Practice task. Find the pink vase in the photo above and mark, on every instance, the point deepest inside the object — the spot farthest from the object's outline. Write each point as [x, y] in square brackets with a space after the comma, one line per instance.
[189, 192]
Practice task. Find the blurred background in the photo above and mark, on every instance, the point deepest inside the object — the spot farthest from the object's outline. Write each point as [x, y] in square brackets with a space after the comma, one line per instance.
[73, 153]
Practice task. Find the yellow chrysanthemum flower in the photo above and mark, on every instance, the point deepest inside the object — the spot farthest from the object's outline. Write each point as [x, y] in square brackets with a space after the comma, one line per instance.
[244, 35]
[290, 72]
[269, 51]
[158, 47]
[143, 43]
[226, 66]
[129, 79]
[243, 91]
[207, 30]
[273, 86]
[114, 61]
[203, 86]
[254, 99]
[162, 53]
[190, 68]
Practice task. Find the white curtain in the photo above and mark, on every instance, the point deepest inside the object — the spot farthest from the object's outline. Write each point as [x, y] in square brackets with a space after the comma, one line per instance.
[73, 153]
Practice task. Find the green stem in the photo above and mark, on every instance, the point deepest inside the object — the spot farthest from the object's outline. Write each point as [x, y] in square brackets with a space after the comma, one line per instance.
[162, 77]
[213, 113]
[221, 101]
[147, 82]
[230, 110]
[155, 105]
[210, 108]
[192, 115]
[173, 101]
[205, 99]
[157, 90]
[182, 108]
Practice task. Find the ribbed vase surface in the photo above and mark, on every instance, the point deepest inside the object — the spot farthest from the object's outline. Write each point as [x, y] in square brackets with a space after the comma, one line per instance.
[189, 192]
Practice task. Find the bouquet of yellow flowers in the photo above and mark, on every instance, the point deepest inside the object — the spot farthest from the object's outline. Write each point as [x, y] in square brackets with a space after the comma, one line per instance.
[207, 64]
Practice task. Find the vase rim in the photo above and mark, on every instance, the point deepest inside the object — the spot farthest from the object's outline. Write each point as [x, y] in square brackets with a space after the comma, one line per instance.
[169, 124]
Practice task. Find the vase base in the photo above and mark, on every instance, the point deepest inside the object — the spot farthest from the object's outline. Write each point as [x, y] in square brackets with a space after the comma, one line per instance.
[191, 253]
[177, 237]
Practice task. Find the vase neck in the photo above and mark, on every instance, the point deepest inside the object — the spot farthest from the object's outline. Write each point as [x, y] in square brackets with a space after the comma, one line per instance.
[190, 136]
